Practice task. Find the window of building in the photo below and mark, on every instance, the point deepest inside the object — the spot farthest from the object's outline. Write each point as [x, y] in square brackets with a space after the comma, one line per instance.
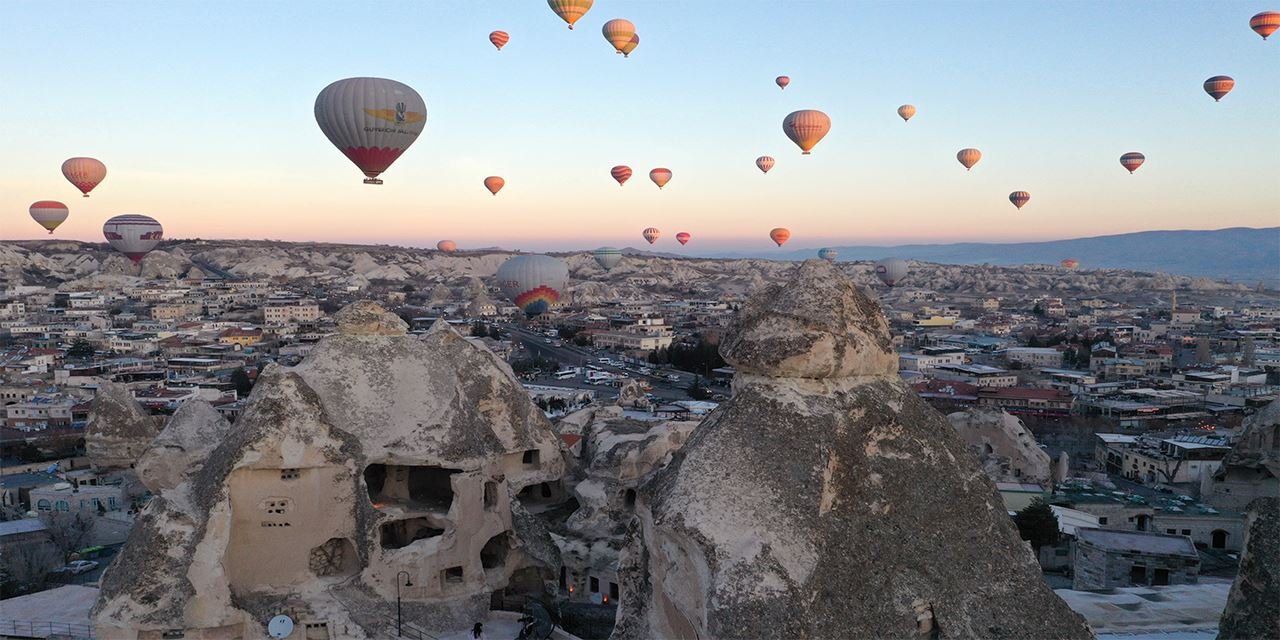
[111, 502]
[290, 474]
[1102, 519]
[564, 577]
[43, 505]
[1171, 531]
[530, 457]
[613, 590]
[490, 495]
[1138, 574]
[595, 585]
[62, 505]
[1185, 532]
[452, 575]
[1160, 577]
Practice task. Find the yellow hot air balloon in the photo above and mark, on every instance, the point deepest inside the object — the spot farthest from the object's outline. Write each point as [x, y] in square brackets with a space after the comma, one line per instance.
[968, 157]
[570, 10]
[806, 128]
[48, 213]
[619, 33]
[906, 111]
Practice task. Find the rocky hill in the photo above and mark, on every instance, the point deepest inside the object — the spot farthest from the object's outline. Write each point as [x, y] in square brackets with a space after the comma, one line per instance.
[71, 265]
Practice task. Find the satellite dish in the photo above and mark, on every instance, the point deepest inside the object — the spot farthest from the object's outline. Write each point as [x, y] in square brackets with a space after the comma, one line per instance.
[280, 627]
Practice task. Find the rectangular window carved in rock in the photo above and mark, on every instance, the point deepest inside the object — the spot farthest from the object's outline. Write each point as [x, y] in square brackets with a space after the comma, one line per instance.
[453, 575]
[290, 474]
[530, 457]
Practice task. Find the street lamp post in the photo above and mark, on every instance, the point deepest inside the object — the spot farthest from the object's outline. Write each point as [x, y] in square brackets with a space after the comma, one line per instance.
[407, 583]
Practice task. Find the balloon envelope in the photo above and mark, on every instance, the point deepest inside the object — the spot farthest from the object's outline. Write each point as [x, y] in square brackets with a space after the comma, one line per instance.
[651, 234]
[84, 173]
[1070, 263]
[133, 234]
[371, 121]
[1219, 86]
[607, 257]
[631, 45]
[570, 10]
[806, 128]
[968, 157]
[447, 246]
[534, 283]
[48, 213]
[782, 81]
[621, 173]
[499, 38]
[683, 238]
[780, 235]
[764, 163]
[660, 176]
[1019, 198]
[619, 33]
[906, 111]
[494, 184]
[1265, 23]
[1132, 160]
[829, 254]
[891, 270]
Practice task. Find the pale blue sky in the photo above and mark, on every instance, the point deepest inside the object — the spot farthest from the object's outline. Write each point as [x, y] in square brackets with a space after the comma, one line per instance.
[203, 114]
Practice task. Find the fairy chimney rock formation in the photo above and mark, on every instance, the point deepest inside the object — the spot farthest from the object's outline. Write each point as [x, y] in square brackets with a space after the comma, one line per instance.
[119, 429]
[826, 500]
[180, 449]
[1251, 610]
[380, 453]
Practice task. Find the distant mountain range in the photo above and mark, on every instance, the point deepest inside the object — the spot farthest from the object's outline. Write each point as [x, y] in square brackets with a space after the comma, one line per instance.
[1238, 254]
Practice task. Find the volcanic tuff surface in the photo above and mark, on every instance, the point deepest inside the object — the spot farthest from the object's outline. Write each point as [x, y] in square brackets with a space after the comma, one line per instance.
[826, 500]
[119, 429]
[1252, 610]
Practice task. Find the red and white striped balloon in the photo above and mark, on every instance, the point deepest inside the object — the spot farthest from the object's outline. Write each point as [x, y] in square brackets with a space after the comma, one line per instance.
[621, 173]
[652, 234]
[764, 163]
[660, 176]
[49, 213]
[133, 234]
[499, 39]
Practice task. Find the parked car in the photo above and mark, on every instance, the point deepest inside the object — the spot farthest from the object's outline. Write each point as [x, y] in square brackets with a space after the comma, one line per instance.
[78, 567]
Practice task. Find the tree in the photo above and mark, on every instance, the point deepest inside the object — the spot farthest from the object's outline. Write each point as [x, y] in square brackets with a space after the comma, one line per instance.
[26, 568]
[494, 332]
[1038, 525]
[1038, 310]
[68, 531]
[697, 390]
[478, 330]
[80, 349]
[240, 378]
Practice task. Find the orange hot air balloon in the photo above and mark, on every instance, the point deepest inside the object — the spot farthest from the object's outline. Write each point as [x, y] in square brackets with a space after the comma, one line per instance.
[84, 173]
[660, 176]
[1132, 160]
[621, 173]
[1070, 263]
[619, 33]
[806, 128]
[1265, 23]
[968, 157]
[780, 235]
[1219, 86]
[447, 246]
[1019, 198]
[494, 184]
[683, 237]
[906, 111]
[652, 234]
[764, 163]
[631, 46]
[499, 38]
[782, 81]
[570, 10]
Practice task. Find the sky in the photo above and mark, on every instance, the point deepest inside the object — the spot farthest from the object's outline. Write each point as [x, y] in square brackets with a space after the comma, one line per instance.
[203, 113]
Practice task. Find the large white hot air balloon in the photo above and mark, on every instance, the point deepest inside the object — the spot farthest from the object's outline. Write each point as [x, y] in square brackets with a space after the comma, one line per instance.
[371, 121]
[133, 234]
[534, 283]
[607, 257]
[891, 270]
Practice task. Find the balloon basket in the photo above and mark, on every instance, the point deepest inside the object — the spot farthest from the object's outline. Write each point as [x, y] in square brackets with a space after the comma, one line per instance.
[372, 181]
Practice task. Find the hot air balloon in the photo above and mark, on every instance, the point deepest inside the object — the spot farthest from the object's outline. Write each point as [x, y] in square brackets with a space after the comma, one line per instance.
[968, 157]
[1070, 263]
[780, 235]
[1265, 23]
[534, 282]
[1132, 160]
[1019, 198]
[652, 234]
[133, 234]
[447, 246]
[906, 111]
[570, 10]
[764, 163]
[619, 33]
[828, 254]
[891, 270]
[621, 173]
[782, 81]
[499, 38]
[84, 173]
[371, 121]
[631, 45]
[49, 213]
[683, 237]
[660, 176]
[607, 257]
[806, 128]
[1219, 86]
[494, 184]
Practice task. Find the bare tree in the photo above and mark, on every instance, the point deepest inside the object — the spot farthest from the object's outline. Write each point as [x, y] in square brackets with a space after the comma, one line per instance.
[69, 532]
[27, 566]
